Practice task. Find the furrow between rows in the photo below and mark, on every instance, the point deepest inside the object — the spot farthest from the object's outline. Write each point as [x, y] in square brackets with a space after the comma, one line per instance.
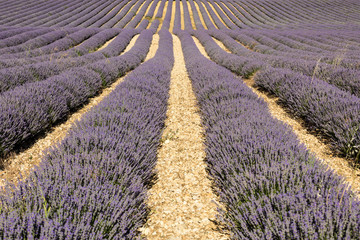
[182, 203]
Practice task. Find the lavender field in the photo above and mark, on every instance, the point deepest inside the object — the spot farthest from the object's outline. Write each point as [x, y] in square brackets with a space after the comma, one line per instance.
[121, 68]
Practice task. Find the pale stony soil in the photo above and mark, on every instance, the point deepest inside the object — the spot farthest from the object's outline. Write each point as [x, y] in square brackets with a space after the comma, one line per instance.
[322, 151]
[182, 203]
[23, 162]
[107, 43]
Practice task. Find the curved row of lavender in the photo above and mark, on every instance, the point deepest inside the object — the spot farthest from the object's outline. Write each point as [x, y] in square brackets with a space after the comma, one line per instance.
[271, 186]
[75, 57]
[325, 108]
[330, 109]
[233, 14]
[93, 185]
[28, 110]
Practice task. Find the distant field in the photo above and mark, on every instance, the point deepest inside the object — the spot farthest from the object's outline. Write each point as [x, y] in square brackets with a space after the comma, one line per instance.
[185, 119]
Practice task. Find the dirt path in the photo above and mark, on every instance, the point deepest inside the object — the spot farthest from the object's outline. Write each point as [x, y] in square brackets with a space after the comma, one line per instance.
[182, 200]
[23, 162]
[340, 165]
[107, 43]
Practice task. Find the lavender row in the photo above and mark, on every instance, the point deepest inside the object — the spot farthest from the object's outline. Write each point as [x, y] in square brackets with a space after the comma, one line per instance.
[28, 110]
[63, 13]
[236, 13]
[60, 45]
[270, 185]
[37, 42]
[11, 18]
[7, 33]
[40, 15]
[177, 20]
[151, 11]
[129, 15]
[196, 16]
[90, 17]
[186, 16]
[344, 79]
[67, 55]
[160, 11]
[139, 15]
[223, 16]
[229, 14]
[98, 190]
[258, 41]
[244, 66]
[115, 19]
[16, 76]
[87, 9]
[334, 112]
[110, 15]
[205, 16]
[212, 14]
[21, 38]
[167, 18]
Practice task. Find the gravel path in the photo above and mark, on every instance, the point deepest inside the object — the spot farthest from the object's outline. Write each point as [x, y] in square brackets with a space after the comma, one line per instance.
[182, 201]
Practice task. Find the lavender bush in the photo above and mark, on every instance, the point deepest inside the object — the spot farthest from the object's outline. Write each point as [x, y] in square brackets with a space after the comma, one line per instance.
[271, 186]
[334, 112]
[28, 110]
[93, 185]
